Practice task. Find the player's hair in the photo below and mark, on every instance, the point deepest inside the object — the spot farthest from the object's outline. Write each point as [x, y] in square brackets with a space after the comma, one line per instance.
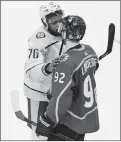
[76, 27]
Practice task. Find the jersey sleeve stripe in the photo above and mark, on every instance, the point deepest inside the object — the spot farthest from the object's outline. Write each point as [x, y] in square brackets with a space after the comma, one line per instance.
[57, 102]
[81, 118]
[32, 67]
[34, 89]
[81, 63]
[43, 70]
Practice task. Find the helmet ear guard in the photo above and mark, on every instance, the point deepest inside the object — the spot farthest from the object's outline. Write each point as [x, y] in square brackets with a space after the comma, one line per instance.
[44, 23]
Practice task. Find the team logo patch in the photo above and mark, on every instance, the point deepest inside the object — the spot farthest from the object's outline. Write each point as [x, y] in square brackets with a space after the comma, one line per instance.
[40, 35]
[64, 57]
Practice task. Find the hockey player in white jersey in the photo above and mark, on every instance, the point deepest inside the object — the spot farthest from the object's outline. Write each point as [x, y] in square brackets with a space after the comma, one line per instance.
[43, 46]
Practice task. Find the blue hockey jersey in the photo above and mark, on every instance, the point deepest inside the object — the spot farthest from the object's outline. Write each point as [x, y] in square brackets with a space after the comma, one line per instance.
[74, 91]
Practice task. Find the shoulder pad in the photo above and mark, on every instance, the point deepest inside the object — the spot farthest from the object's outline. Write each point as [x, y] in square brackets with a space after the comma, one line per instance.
[40, 35]
[41, 38]
[90, 49]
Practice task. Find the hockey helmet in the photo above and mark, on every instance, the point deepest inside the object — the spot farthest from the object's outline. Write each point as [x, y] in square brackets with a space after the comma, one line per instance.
[76, 27]
[49, 10]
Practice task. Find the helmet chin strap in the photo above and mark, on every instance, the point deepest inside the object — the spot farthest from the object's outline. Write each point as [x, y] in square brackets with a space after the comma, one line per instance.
[63, 36]
[44, 23]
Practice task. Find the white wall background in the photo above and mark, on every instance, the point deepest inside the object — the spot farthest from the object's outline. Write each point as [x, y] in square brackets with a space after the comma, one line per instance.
[19, 20]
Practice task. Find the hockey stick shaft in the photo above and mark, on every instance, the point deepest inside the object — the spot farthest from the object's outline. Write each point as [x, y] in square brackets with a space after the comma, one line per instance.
[63, 35]
[16, 108]
[20, 115]
[111, 34]
[61, 47]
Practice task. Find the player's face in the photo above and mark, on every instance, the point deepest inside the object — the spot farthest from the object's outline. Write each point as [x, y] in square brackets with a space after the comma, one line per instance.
[54, 21]
[54, 26]
[75, 33]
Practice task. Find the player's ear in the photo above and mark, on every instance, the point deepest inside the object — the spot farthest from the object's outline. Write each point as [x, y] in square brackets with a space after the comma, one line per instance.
[44, 23]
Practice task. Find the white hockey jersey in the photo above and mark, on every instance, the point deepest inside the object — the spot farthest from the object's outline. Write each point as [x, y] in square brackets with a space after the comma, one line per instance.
[42, 48]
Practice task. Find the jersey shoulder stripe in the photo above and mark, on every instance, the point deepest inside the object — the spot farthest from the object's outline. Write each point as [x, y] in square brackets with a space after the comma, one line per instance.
[51, 44]
[34, 89]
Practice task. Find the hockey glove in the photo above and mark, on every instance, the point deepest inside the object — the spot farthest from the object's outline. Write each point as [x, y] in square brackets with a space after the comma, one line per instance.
[49, 94]
[50, 66]
[44, 126]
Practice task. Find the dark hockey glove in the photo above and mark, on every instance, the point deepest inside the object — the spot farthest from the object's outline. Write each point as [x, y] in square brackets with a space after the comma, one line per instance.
[44, 126]
[50, 66]
[49, 94]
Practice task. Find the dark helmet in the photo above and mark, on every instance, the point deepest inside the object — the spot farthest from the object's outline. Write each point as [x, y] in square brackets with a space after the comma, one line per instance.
[76, 27]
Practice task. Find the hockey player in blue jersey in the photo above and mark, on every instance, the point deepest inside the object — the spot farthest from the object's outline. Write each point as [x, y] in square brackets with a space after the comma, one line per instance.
[72, 111]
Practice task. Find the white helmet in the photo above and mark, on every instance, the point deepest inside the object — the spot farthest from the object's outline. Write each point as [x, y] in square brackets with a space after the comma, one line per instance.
[48, 9]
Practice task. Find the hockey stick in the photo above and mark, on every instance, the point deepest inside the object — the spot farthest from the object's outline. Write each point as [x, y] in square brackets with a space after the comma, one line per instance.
[111, 33]
[21, 116]
[16, 108]
[63, 35]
